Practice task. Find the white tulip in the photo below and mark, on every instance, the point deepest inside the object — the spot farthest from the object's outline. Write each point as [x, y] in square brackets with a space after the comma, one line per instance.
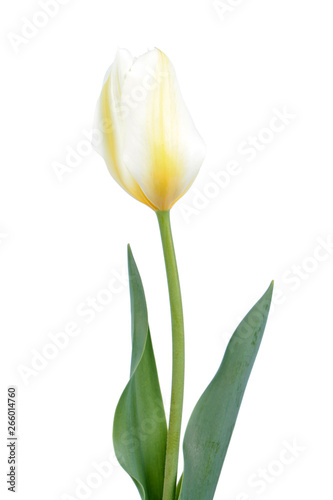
[148, 139]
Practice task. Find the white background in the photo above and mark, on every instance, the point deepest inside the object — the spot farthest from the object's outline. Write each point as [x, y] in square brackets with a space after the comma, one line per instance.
[63, 239]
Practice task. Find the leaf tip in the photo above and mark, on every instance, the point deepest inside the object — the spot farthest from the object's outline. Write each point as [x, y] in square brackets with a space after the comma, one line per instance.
[269, 292]
[130, 257]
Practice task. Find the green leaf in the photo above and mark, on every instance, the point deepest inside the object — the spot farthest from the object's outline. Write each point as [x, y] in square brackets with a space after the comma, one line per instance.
[213, 419]
[179, 487]
[139, 428]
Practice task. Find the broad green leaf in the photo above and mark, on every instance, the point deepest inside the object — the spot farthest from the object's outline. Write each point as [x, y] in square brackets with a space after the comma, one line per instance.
[139, 428]
[213, 419]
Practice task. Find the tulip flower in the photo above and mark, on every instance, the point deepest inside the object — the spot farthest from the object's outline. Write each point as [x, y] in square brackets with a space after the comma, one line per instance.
[149, 141]
[153, 150]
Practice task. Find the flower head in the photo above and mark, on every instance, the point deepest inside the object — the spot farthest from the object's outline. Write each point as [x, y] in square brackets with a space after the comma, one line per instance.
[148, 139]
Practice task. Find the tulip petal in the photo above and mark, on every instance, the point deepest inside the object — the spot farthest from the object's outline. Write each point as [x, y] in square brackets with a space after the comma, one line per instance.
[107, 113]
[108, 122]
[161, 146]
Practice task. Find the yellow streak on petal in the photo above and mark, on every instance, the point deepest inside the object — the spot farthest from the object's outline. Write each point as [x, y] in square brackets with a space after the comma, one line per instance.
[166, 165]
[110, 146]
[109, 133]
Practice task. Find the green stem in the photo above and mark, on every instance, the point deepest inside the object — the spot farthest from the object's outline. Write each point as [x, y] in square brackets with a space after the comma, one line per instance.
[178, 357]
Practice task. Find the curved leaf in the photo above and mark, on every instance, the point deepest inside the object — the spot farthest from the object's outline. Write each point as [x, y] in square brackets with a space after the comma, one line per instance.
[213, 419]
[139, 428]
